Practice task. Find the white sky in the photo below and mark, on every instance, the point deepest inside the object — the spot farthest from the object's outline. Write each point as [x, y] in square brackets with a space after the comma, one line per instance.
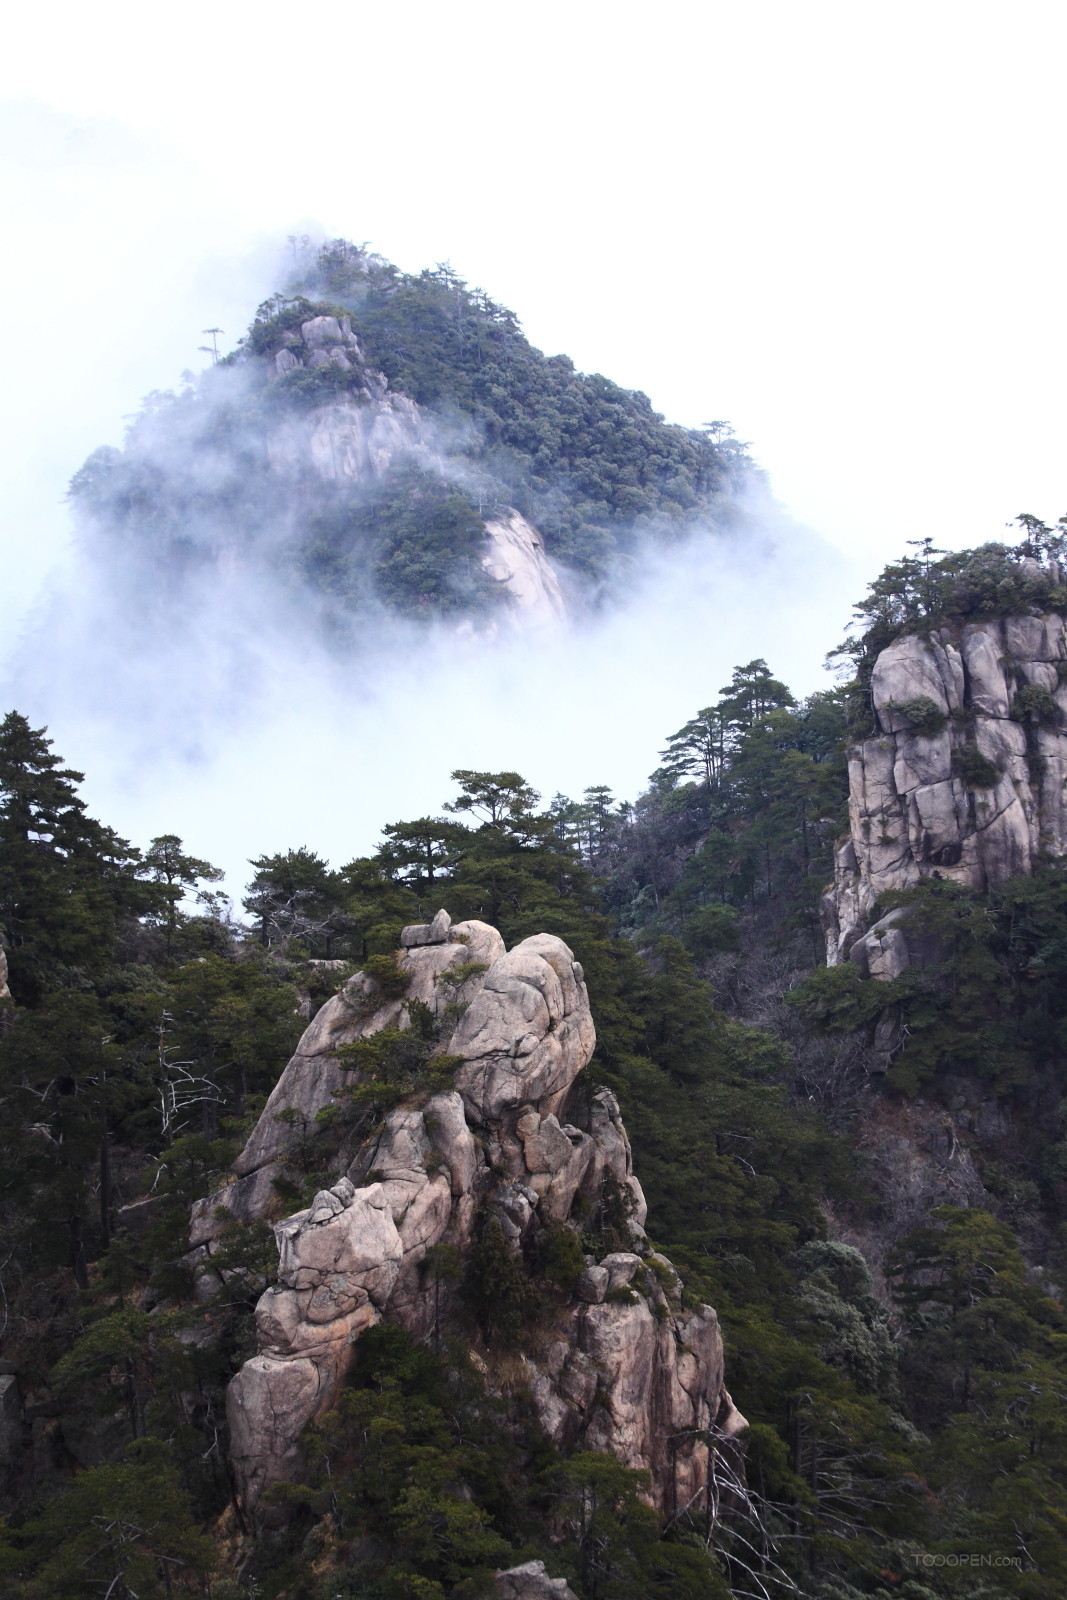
[839, 225]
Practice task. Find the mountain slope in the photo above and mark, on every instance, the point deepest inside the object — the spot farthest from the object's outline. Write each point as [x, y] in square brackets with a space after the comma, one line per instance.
[370, 437]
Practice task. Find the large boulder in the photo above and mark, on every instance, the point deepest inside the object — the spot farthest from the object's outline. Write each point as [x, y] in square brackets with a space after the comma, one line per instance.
[315, 1075]
[528, 1032]
[531, 1582]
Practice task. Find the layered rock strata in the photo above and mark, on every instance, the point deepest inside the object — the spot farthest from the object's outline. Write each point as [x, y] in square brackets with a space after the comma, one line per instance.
[964, 779]
[624, 1368]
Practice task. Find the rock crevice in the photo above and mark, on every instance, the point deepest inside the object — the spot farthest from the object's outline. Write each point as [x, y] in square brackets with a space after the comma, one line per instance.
[963, 778]
[625, 1368]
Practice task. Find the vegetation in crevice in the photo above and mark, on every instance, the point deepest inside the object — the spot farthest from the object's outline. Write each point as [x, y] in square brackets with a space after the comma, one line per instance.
[934, 589]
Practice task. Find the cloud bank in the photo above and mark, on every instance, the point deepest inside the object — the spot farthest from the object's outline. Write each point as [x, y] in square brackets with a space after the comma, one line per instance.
[236, 718]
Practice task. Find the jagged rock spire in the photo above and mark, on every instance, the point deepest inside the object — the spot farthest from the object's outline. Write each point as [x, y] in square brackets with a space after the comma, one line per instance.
[625, 1369]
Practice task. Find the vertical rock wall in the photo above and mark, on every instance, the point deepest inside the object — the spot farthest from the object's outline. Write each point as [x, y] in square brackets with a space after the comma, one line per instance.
[964, 779]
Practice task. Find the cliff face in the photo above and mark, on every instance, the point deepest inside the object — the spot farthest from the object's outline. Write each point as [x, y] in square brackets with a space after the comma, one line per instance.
[359, 439]
[964, 780]
[515, 1142]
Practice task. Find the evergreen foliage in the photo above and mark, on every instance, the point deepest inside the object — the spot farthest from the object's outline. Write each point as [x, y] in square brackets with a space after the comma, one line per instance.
[124, 1529]
[986, 1360]
[132, 1066]
[744, 811]
[64, 879]
[990, 1001]
[917, 592]
[414, 542]
[585, 460]
[924, 591]
[294, 898]
[591, 464]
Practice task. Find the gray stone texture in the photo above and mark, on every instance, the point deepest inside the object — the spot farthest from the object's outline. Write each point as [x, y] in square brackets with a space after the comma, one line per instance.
[623, 1368]
[912, 813]
[361, 435]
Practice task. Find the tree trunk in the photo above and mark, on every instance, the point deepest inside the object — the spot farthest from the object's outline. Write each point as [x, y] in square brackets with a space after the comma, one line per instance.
[77, 1251]
[105, 1187]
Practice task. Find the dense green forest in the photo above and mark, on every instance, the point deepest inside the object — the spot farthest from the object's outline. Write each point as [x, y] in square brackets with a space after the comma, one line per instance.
[903, 1375]
[592, 465]
[589, 462]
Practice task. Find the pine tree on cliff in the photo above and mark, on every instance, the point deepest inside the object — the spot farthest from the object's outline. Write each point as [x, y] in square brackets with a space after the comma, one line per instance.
[120, 1529]
[985, 1365]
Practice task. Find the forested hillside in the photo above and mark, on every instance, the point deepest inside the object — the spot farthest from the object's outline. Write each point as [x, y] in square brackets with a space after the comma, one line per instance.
[358, 442]
[885, 1263]
[591, 463]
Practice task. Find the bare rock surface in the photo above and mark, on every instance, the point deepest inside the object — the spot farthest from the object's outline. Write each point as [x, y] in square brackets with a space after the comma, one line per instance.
[365, 433]
[623, 1368]
[516, 560]
[963, 779]
[314, 1075]
[531, 1582]
[528, 1032]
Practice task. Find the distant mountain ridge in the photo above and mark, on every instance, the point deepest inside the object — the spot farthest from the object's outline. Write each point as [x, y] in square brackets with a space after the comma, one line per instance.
[395, 442]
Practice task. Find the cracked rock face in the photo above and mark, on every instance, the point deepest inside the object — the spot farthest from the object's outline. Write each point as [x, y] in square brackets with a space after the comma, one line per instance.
[624, 1368]
[964, 780]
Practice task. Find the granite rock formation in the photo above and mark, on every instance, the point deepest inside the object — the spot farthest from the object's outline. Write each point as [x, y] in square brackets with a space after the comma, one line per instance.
[531, 1582]
[517, 1142]
[360, 438]
[516, 559]
[964, 779]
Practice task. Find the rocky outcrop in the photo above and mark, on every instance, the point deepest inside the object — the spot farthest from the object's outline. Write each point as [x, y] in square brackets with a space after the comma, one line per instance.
[358, 437]
[963, 780]
[531, 1582]
[368, 430]
[514, 1143]
[311, 1081]
[5, 992]
[517, 561]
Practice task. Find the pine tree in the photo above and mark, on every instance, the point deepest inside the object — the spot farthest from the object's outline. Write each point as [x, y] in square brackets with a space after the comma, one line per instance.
[64, 879]
[177, 875]
[124, 1530]
[295, 896]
